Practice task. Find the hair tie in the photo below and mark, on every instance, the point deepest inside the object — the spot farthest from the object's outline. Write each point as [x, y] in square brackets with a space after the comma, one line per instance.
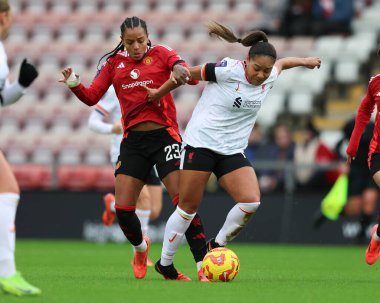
[239, 40]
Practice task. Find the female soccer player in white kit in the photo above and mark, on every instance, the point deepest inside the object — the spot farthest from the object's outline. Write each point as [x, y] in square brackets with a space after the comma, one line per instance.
[149, 203]
[11, 281]
[217, 135]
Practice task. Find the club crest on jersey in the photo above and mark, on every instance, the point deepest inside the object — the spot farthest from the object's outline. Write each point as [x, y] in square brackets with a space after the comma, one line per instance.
[135, 73]
[222, 63]
[148, 60]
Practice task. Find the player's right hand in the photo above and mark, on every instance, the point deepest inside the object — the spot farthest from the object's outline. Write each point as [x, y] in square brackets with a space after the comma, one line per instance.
[117, 128]
[70, 78]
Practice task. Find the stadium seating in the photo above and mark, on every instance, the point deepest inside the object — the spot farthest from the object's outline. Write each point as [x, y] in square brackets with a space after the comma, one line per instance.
[50, 122]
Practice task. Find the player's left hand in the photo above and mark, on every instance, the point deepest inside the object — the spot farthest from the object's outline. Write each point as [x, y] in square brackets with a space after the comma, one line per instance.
[312, 62]
[180, 75]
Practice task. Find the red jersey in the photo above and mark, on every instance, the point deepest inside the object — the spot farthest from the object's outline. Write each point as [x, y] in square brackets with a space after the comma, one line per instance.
[365, 110]
[127, 76]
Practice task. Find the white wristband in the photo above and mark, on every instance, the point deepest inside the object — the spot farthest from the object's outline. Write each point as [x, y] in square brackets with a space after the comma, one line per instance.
[73, 80]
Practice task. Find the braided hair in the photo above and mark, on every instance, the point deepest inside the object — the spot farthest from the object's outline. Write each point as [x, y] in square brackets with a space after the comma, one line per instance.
[130, 23]
[256, 40]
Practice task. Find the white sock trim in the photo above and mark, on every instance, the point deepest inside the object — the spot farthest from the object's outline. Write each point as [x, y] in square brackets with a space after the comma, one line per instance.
[249, 208]
[9, 197]
[184, 214]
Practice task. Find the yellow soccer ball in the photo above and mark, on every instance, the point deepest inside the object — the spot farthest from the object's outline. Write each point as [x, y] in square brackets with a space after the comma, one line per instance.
[220, 265]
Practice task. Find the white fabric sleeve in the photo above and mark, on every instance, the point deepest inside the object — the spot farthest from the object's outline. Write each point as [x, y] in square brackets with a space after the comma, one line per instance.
[223, 69]
[96, 123]
[11, 93]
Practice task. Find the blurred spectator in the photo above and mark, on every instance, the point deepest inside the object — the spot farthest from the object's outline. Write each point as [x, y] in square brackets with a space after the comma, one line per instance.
[296, 20]
[310, 151]
[332, 17]
[281, 149]
[254, 150]
[272, 12]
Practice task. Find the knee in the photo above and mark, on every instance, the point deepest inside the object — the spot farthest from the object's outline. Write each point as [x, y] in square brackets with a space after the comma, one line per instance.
[252, 196]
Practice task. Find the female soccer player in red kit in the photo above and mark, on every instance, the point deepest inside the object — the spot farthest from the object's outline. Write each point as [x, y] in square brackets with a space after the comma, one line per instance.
[365, 110]
[151, 134]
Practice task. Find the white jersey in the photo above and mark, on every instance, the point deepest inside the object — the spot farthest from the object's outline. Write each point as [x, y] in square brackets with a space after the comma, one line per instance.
[109, 106]
[227, 110]
[9, 92]
[4, 69]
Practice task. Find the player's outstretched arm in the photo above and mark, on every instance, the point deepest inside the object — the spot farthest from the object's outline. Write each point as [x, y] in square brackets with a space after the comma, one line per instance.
[170, 84]
[290, 62]
[12, 92]
[70, 78]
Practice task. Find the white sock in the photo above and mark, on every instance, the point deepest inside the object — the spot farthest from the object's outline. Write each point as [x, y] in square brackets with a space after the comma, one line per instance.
[236, 220]
[199, 265]
[8, 207]
[376, 236]
[112, 206]
[175, 229]
[143, 215]
[141, 247]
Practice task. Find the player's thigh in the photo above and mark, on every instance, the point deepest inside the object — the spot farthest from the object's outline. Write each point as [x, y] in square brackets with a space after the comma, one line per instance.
[197, 165]
[143, 201]
[156, 197]
[376, 178]
[375, 168]
[191, 189]
[127, 190]
[241, 184]
[8, 183]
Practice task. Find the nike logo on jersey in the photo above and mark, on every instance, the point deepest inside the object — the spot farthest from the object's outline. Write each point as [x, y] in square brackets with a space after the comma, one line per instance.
[121, 65]
[378, 94]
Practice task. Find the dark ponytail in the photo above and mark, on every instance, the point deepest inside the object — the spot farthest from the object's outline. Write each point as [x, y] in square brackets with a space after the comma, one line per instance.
[257, 40]
[127, 23]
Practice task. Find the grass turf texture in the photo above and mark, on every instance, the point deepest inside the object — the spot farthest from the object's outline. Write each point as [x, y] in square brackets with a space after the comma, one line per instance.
[81, 272]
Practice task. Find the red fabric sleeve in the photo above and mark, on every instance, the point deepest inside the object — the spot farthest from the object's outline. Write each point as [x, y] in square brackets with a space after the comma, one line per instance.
[364, 115]
[97, 89]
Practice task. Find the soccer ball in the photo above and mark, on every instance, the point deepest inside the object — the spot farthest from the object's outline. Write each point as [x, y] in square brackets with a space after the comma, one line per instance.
[220, 265]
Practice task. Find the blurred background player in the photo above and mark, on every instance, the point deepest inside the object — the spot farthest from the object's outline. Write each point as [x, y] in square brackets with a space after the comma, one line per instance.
[362, 192]
[151, 133]
[105, 119]
[364, 113]
[11, 281]
[217, 135]
[311, 150]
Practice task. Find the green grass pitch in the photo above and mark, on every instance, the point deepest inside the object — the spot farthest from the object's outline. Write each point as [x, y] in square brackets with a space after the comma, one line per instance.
[81, 272]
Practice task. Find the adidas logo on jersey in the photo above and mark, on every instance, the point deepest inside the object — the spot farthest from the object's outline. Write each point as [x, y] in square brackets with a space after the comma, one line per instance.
[121, 65]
